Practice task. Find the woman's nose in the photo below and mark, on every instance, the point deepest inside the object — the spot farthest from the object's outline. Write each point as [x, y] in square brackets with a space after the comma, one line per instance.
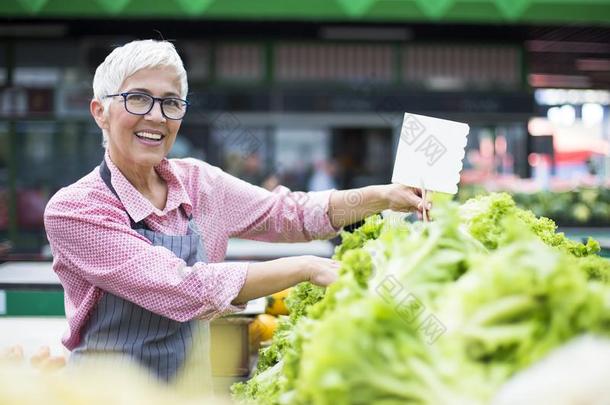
[155, 113]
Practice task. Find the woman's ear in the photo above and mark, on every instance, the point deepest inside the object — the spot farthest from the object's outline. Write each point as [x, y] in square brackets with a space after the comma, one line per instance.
[97, 111]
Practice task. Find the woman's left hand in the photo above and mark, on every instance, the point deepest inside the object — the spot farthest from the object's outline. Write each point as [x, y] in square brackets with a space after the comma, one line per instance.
[404, 198]
[349, 206]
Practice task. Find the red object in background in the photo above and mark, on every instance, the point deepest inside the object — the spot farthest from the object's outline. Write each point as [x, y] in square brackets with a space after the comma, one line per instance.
[30, 209]
[577, 149]
[578, 156]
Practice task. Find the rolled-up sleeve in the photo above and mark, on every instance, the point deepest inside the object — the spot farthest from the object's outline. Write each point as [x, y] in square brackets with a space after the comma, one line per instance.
[281, 215]
[95, 244]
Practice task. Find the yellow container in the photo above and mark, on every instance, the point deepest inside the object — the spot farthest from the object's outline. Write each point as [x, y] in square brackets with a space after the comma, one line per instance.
[230, 354]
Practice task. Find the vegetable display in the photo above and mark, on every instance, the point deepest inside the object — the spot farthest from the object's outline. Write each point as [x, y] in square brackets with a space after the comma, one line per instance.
[438, 312]
[585, 206]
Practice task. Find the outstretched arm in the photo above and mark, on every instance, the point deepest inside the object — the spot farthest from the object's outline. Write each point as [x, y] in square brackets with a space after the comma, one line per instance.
[266, 278]
[349, 206]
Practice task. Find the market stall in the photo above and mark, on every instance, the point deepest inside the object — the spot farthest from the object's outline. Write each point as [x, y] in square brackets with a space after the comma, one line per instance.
[431, 179]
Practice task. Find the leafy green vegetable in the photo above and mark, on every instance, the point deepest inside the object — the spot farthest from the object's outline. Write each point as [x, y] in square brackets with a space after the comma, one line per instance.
[286, 343]
[442, 312]
[516, 303]
[272, 354]
[261, 389]
[354, 273]
[487, 216]
[365, 353]
[301, 297]
[354, 240]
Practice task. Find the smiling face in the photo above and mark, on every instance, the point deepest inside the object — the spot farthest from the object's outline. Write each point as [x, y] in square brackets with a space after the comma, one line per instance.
[131, 138]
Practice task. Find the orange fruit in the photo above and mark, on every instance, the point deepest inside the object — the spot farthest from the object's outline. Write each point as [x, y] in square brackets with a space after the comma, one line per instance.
[262, 328]
[276, 303]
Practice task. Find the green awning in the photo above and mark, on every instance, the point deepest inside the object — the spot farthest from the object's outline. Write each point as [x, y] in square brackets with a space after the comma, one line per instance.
[465, 11]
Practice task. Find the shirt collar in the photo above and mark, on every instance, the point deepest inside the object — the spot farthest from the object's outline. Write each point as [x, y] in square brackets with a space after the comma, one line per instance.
[139, 207]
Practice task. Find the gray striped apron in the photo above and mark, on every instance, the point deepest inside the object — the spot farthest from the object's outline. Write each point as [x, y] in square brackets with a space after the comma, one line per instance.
[119, 327]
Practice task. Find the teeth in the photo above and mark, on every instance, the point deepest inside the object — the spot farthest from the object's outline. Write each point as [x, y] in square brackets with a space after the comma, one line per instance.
[148, 135]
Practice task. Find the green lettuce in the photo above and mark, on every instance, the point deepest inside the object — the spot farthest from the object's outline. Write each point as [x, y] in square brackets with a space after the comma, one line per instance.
[439, 312]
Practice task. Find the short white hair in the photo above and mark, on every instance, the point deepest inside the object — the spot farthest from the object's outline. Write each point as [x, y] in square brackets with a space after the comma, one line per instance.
[126, 60]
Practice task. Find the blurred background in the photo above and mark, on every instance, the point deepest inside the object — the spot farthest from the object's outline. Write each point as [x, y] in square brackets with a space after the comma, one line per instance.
[311, 94]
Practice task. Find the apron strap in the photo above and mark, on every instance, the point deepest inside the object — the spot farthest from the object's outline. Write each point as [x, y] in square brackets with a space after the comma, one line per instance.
[106, 176]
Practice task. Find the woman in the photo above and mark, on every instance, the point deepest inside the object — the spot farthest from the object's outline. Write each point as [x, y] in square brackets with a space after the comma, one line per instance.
[139, 242]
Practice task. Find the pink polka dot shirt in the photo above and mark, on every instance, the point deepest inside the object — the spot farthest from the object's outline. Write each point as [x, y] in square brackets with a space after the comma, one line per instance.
[95, 250]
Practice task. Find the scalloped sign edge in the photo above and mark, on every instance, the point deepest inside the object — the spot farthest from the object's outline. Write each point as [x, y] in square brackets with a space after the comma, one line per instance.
[423, 142]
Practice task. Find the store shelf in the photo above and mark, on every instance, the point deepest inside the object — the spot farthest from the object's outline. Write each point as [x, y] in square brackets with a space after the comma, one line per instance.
[240, 249]
[29, 275]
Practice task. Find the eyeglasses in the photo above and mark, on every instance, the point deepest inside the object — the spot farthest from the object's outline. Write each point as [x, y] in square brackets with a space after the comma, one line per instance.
[142, 103]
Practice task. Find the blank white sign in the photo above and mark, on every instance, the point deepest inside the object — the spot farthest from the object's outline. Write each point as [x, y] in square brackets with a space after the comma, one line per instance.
[430, 153]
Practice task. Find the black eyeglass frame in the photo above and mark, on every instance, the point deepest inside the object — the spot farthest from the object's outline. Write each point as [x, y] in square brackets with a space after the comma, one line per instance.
[160, 100]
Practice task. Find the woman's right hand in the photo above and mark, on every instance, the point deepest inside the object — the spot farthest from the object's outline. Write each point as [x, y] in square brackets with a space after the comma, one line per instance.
[266, 278]
[318, 270]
